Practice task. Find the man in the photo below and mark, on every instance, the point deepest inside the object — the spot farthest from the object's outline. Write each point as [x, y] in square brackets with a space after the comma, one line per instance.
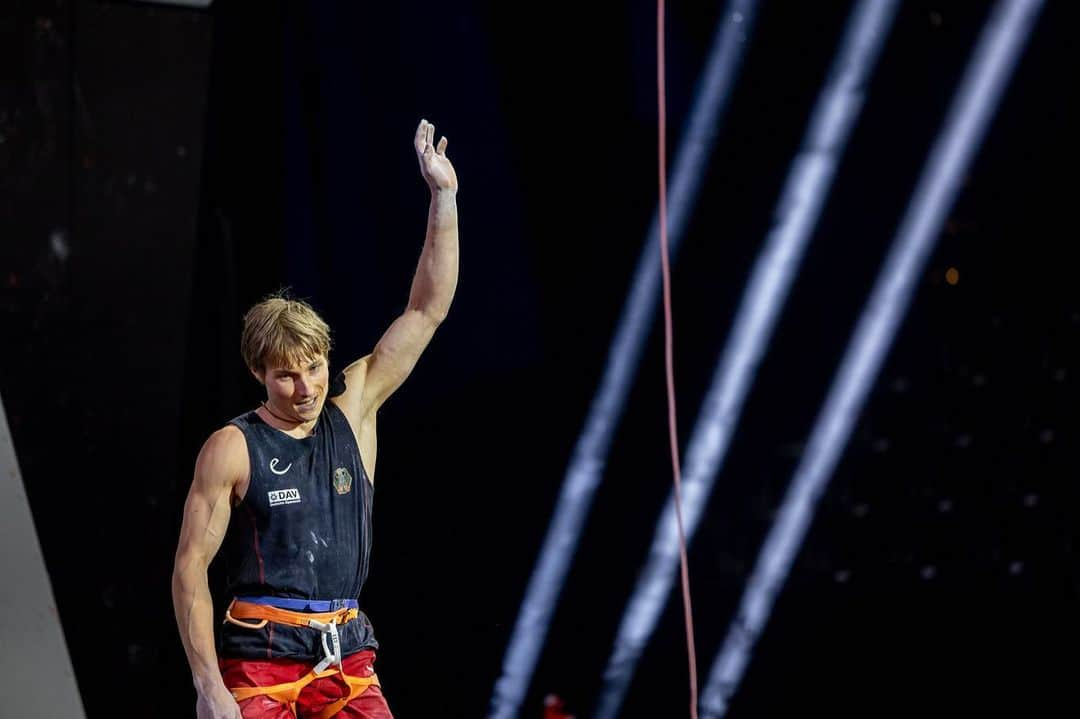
[286, 490]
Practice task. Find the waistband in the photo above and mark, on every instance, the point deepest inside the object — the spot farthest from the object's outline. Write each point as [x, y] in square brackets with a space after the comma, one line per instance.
[303, 605]
[326, 623]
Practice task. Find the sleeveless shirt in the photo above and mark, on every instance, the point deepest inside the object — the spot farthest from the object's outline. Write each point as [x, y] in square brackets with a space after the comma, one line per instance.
[302, 531]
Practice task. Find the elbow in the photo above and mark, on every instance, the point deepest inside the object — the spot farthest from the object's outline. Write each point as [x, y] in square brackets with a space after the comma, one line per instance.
[177, 576]
[177, 586]
[186, 568]
[179, 580]
[436, 317]
[432, 315]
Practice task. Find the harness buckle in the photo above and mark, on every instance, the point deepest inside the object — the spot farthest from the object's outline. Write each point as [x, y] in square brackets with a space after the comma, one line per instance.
[333, 657]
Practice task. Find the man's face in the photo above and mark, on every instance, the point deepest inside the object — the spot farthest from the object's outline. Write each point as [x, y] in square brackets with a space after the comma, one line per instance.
[299, 391]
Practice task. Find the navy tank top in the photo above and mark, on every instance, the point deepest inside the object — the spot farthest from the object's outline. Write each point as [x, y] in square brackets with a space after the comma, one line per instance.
[302, 531]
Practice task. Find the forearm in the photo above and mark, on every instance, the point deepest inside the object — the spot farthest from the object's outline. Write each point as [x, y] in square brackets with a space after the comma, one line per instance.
[437, 271]
[195, 620]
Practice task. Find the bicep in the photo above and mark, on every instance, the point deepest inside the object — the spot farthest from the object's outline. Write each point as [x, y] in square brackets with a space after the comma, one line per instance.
[395, 356]
[208, 505]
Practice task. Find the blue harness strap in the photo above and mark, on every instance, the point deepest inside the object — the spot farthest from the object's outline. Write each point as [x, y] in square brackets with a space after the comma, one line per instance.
[303, 605]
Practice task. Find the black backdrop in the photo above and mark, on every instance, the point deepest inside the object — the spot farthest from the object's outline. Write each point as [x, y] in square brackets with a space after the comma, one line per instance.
[164, 168]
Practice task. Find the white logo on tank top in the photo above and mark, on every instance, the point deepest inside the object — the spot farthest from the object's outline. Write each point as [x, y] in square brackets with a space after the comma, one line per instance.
[273, 466]
[284, 496]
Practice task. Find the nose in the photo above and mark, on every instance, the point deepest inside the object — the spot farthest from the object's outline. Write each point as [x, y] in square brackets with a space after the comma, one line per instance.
[302, 387]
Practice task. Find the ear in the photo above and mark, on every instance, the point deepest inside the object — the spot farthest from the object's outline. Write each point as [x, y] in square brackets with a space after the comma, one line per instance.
[260, 375]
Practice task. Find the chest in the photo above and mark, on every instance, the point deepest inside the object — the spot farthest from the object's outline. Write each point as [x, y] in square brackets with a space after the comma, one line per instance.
[306, 484]
[285, 470]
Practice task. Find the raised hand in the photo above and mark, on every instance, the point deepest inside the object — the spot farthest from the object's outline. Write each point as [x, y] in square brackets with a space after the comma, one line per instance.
[434, 165]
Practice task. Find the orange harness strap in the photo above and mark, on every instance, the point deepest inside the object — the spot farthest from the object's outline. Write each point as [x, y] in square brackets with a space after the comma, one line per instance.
[289, 692]
[264, 613]
[357, 686]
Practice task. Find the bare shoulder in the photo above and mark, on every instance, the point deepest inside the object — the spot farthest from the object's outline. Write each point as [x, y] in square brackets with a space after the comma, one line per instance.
[221, 478]
[223, 458]
[353, 402]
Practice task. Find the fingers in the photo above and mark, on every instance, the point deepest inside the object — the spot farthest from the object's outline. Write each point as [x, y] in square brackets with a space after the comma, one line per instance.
[420, 140]
[425, 137]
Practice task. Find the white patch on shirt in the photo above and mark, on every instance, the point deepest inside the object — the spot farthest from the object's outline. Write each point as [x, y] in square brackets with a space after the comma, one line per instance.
[284, 496]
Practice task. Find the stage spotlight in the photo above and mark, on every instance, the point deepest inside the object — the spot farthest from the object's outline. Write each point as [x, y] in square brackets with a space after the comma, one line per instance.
[797, 212]
[974, 104]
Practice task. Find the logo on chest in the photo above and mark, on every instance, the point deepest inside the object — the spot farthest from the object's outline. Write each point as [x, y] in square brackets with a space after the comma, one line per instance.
[342, 480]
[284, 496]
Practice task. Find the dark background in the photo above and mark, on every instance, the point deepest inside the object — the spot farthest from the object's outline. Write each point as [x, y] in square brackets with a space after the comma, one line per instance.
[161, 169]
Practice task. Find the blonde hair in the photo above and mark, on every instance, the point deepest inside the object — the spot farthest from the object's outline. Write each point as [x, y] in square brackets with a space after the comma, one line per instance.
[284, 332]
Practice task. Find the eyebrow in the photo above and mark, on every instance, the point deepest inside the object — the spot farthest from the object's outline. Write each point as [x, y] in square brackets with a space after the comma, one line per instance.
[283, 370]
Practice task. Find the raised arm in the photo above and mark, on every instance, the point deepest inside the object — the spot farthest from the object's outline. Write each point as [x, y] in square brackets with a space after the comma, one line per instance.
[222, 465]
[370, 380]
